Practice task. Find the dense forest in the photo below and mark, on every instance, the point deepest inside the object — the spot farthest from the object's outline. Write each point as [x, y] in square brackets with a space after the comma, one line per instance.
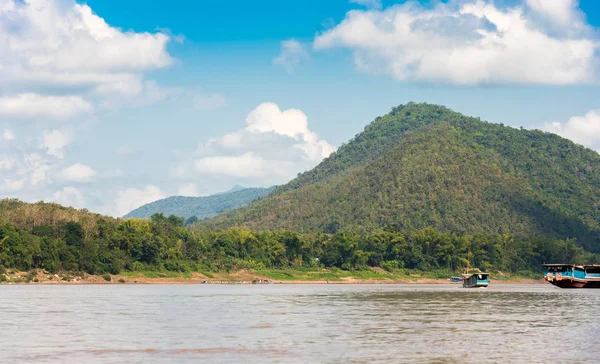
[425, 165]
[198, 208]
[55, 238]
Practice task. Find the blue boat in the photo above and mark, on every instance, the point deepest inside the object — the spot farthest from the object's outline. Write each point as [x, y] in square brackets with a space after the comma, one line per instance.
[572, 276]
[456, 279]
[476, 280]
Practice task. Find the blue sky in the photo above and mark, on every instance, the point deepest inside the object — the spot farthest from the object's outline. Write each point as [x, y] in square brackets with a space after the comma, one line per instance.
[111, 105]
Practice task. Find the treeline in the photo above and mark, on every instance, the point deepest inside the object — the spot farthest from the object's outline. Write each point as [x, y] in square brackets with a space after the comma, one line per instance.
[97, 245]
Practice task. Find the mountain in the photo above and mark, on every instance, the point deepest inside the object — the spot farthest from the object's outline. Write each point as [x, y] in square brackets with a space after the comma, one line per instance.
[201, 207]
[236, 188]
[425, 165]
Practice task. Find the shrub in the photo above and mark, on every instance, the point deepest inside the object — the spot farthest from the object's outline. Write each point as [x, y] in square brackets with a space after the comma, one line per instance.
[138, 267]
[121, 280]
[390, 265]
[107, 277]
[30, 276]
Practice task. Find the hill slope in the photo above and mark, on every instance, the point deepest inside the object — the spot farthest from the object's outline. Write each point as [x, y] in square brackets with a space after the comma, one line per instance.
[201, 207]
[425, 165]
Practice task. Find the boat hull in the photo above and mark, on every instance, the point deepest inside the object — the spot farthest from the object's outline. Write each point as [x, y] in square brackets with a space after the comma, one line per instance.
[568, 283]
[477, 285]
[572, 275]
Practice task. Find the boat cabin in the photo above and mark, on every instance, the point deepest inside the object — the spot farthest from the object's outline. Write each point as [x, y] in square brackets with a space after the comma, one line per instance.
[476, 280]
[572, 276]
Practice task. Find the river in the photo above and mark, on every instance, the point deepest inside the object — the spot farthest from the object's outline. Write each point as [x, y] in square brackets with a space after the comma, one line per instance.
[298, 324]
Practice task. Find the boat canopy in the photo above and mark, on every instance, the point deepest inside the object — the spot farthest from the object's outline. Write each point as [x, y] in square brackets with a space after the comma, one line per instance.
[583, 266]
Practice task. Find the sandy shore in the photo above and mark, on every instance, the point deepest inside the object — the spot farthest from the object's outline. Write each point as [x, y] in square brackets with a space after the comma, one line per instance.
[239, 277]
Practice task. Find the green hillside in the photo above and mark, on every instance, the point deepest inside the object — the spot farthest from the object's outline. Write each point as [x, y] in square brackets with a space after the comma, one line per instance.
[201, 207]
[424, 165]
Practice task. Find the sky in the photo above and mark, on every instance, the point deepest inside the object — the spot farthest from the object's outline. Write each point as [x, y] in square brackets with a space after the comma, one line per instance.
[109, 105]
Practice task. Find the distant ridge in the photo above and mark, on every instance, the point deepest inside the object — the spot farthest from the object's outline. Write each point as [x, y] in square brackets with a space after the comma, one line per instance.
[425, 165]
[233, 189]
[201, 207]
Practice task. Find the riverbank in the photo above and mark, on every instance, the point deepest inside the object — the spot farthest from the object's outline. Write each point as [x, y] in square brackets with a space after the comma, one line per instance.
[283, 276]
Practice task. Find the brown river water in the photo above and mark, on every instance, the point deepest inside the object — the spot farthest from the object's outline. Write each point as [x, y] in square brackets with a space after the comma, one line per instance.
[298, 324]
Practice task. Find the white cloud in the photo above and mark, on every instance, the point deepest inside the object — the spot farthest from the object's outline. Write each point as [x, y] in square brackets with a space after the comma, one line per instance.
[36, 167]
[292, 54]
[78, 173]
[132, 198]
[188, 189]
[30, 105]
[272, 148]
[209, 102]
[584, 130]
[267, 117]
[561, 12]
[468, 42]
[55, 141]
[375, 4]
[7, 135]
[7, 162]
[11, 186]
[22, 169]
[245, 165]
[69, 196]
[60, 42]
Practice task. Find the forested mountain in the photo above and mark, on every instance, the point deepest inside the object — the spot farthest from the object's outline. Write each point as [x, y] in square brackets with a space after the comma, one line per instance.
[424, 165]
[201, 207]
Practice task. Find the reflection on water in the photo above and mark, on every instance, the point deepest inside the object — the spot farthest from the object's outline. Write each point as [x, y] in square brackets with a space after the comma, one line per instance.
[298, 324]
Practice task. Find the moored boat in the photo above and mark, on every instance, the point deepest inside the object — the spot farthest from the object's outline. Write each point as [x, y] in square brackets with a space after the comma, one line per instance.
[476, 280]
[572, 275]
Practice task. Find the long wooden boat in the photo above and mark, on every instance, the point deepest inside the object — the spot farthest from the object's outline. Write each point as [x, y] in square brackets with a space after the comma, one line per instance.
[572, 276]
[476, 280]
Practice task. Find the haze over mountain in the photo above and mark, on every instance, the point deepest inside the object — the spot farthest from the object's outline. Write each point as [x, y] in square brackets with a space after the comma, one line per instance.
[426, 165]
[201, 207]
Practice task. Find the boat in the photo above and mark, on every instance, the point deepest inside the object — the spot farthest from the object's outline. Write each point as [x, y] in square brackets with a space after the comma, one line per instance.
[476, 280]
[456, 279]
[572, 275]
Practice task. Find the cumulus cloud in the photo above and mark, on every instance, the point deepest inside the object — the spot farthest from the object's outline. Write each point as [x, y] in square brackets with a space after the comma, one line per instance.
[78, 173]
[245, 165]
[69, 196]
[470, 42]
[33, 169]
[273, 147]
[55, 141]
[267, 117]
[30, 105]
[8, 185]
[564, 13]
[188, 189]
[7, 135]
[209, 102]
[22, 167]
[7, 162]
[130, 199]
[291, 55]
[584, 130]
[60, 42]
